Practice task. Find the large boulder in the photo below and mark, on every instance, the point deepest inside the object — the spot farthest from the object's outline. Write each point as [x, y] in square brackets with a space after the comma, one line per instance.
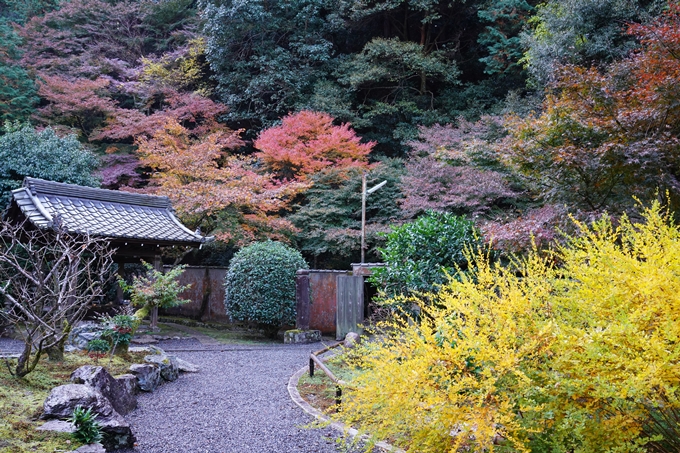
[117, 392]
[129, 381]
[186, 367]
[351, 340]
[62, 400]
[148, 376]
[182, 365]
[82, 334]
[166, 363]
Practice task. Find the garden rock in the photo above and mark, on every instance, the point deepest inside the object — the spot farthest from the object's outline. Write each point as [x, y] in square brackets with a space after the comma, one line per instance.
[186, 367]
[82, 334]
[116, 432]
[129, 381]
[90, 448]
[57, 426]
[62, 400]
[144, 339]
[148, 376]
[301, 336]
[167, 365]
[119, 395]
[351, 340]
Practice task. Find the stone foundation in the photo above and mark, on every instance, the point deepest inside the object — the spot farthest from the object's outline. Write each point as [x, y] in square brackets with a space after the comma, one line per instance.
[301, 336]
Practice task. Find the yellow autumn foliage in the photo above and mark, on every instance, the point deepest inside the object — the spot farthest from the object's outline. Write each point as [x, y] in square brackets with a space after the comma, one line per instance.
[537, 357]
[188, 70]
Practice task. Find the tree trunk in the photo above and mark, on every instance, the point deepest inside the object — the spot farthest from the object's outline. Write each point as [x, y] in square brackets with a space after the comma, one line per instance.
[56, 353]
[154, 319]
[158, 266]
[24, 364]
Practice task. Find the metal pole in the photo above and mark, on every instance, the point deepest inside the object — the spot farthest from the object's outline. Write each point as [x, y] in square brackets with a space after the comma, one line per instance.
[363, 215]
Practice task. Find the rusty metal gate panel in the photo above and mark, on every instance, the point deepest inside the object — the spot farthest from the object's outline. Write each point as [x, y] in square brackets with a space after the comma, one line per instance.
[350, 305]
[323, 296]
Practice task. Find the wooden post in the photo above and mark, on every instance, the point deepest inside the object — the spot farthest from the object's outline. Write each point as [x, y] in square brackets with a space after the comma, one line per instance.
[303, 299]
[158, 266]
[364, 194]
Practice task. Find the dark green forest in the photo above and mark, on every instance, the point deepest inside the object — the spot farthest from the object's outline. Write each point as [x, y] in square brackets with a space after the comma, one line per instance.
[512, 113]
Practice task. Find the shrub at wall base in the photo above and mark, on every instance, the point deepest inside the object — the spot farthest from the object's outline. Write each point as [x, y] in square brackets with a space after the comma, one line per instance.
[260, 285]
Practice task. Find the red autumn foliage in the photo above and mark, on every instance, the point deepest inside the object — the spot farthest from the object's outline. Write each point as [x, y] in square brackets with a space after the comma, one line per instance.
[83, 38]
[81, 104]
[453, 168]
[307, 142]
[92, 38]
[88, 55]
[192, 111]
[537, 227]
[431, 184]
[119, 170]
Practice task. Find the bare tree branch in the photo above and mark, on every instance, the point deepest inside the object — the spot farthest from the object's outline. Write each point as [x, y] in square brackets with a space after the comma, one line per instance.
[48, 278]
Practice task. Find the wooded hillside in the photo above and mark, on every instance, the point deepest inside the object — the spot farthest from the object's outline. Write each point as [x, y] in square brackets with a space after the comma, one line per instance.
[258, 118]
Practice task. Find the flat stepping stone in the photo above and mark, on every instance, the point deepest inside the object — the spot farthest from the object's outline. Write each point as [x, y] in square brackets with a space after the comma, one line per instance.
[57, 426]
[90, 448]
[139, 349]
[144, 339]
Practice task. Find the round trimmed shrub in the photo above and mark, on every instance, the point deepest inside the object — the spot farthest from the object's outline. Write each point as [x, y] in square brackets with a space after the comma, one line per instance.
[260, 285]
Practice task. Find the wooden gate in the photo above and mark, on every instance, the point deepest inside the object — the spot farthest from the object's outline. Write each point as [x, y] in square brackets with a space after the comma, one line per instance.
[350, 305]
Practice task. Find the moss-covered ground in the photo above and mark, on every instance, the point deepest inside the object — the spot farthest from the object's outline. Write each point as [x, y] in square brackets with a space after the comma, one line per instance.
[21, 401]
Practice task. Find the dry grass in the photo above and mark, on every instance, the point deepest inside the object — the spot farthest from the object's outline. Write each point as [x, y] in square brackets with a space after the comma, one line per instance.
[318, 391]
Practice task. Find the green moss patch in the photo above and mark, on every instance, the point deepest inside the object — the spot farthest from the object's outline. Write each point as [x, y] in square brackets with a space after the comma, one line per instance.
[21, 402]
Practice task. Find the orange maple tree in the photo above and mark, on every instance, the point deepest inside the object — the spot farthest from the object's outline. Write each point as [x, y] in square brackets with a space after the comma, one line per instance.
[606, 135]
[207, 184]
[307, 142]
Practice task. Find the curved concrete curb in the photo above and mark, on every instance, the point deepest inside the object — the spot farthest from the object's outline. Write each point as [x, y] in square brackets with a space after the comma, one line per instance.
[314, 412]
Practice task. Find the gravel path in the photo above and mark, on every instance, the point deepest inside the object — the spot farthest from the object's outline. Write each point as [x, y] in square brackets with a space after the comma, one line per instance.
[238, 402]
[10, 348]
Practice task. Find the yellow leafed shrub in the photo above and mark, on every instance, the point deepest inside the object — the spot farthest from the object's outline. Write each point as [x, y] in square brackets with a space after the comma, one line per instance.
[536, 357]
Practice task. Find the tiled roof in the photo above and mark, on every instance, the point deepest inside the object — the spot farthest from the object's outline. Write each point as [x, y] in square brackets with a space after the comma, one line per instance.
[100, 212]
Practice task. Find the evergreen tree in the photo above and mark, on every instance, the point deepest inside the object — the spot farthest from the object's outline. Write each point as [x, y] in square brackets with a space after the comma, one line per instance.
[26, 152]
[267, 55]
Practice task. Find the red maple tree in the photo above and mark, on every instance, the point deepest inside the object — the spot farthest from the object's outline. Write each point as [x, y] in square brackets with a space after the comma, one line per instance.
[307, 142]
[80, 104]
[191, 110]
